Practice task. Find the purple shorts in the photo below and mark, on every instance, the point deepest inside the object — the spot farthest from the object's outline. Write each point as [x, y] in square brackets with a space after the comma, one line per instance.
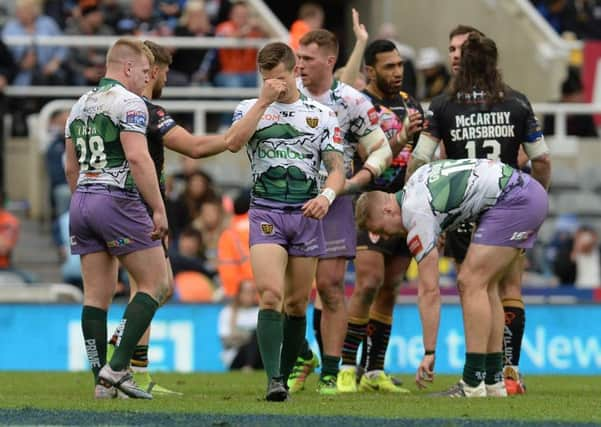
[339, 229]
[299, 235]
[103, 219]
[516, 217]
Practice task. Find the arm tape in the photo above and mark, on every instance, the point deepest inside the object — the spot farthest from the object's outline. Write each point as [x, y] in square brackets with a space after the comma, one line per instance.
[378, 158]
[425, 148]
[536, 149]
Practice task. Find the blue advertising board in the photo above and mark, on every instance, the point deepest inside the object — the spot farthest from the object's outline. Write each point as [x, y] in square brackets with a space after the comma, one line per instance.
[559, 339]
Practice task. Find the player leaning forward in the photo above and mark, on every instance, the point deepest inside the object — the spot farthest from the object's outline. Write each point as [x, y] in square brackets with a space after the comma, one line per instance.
[287, 136]
[509, 207]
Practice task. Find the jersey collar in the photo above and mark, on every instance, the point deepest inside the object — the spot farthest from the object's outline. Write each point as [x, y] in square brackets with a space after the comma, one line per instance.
[109, 82]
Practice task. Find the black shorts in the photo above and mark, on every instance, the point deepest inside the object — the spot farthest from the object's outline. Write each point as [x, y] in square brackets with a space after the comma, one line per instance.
[457, 242]
[395, 246]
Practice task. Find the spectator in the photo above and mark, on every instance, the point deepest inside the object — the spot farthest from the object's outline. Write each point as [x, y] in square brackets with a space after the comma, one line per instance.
[36, 64]
[217, 10]
[434, 74]
[9, 237]
[560, 248]
[210, 222]
[192, 65]
[170, 11]
[237, 328]
[238, 67]
[143, 20]
[233, 254]
[113, 13]
[71, 266]
[576, 124]
[189, 255]
[310, 17]
[8, 70]
[181, 212]
[60, 195]
[87, 64]
[585, 256]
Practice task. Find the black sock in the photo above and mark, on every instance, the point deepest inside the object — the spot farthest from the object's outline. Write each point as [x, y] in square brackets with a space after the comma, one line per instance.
[140, 357]
[317, 330]
[136, 319]
[515, 321]
[93, 326]
[355, 333]
[329, 365]
[378, 332]
[305, 351]
[494, 368]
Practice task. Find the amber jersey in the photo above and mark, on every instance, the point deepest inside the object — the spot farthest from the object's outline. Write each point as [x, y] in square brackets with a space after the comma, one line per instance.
[472, 128]
[393, 178]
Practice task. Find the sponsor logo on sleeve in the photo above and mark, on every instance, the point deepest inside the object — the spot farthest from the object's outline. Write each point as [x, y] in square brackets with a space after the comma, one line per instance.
[415, 245]
[136, 117]
[372, 115]
[337, 138]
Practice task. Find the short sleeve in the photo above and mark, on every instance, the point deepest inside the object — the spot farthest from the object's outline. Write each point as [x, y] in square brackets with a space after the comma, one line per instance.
[242, 109]
[164, 121]
[533, 130]
[332, 140]
[134, 116]
[365, 118]
[423, 232]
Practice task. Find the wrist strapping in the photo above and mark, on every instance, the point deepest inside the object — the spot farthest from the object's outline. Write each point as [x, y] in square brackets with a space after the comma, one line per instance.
[329, 194]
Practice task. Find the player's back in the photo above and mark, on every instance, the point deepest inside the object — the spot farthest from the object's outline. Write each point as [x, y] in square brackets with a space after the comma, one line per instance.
[95, 124]
[471, 127]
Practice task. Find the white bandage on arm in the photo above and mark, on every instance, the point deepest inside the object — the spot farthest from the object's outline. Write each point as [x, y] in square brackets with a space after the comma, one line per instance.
[329, 194]
[425, 148]
[378, 150]
[536, 149]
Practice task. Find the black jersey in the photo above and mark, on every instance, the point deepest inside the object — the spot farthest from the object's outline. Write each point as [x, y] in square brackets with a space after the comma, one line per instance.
[474, 129]
[393, 178]
[159, 123]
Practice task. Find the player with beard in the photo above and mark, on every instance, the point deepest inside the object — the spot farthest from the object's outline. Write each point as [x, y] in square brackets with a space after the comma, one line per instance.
[380, 264]
[484, 118]
[163, 132]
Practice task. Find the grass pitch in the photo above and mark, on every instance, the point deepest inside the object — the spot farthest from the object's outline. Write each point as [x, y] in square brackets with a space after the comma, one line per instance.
[237, 399]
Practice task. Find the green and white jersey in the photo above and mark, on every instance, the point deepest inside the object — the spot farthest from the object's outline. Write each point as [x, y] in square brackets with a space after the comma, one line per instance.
[285, 150]
[95, 124]
[355, 113]
[441, 195]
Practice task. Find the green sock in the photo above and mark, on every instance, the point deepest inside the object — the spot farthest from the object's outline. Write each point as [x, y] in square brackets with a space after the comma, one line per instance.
[295, 329]
[329, 365]
[270, 336]
[494, 368]
[138, 315]
[305, 351]
[474, 370]
[93, 326]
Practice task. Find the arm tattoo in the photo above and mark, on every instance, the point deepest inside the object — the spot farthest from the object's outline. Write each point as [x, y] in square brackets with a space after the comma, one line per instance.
[333, 161]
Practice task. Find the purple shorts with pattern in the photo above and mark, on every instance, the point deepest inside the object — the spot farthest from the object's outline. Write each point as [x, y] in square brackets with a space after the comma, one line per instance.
[299, 235]
[104, 219]
[516, 217]
[339, 229]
